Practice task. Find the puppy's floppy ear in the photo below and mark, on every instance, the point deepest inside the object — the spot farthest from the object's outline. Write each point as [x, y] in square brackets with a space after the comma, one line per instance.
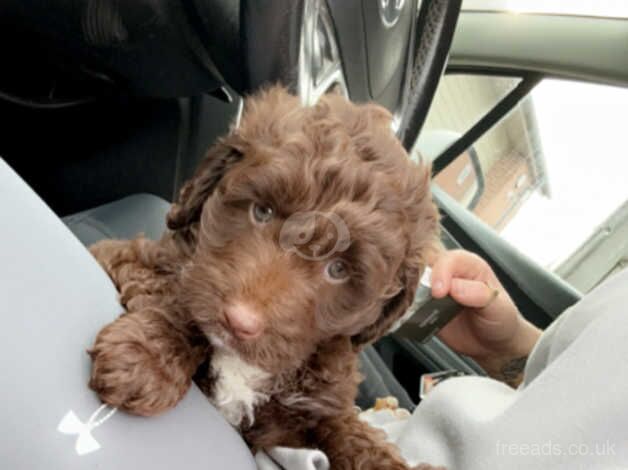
[187, 208]
[424, 248]
[258, 123]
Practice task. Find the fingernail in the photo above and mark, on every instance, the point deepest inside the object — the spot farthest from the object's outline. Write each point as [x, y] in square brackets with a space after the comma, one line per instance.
[438, 286]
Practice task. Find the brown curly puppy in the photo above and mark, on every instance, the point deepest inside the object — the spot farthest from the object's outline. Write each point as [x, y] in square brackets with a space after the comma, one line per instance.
[299, 240]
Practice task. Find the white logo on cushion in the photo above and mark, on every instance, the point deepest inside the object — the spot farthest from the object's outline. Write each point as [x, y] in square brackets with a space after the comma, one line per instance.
[85, 442]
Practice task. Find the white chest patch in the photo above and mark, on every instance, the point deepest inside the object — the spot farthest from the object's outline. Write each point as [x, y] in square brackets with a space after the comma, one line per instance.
[238, 387]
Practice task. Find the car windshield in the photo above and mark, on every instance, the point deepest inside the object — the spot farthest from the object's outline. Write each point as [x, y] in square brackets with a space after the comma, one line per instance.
[600, 8]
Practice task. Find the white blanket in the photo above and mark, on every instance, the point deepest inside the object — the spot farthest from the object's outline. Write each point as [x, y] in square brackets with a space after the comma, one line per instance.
[571, 412]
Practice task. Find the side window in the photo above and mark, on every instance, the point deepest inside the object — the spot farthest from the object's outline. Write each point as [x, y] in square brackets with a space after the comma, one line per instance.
[550, 176]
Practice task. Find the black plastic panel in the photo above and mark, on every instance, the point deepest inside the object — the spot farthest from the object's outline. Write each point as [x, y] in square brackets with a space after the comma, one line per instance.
[147, 47]
[80, 157]
[271, 37]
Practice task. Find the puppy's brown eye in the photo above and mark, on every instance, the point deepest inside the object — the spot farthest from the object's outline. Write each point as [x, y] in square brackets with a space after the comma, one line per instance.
[337, 271]
[261, 214]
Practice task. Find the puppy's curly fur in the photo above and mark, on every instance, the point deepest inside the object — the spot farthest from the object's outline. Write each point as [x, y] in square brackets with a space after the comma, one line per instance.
[295, 383]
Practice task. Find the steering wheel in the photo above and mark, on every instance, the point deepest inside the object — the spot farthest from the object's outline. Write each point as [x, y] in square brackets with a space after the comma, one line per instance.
[389, 51]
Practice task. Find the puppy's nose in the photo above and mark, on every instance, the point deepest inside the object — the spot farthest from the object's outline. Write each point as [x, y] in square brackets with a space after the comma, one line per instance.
[244, 321]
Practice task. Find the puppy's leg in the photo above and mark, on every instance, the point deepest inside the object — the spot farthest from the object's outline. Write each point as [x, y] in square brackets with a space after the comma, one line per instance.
[125, 263]
[351, 443]
[141, 363]
[117, 258]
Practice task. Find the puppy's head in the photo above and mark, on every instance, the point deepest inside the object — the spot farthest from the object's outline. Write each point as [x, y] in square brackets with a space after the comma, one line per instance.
[306, 224]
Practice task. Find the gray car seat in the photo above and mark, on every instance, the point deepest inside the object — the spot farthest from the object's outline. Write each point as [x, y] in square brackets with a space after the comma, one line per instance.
[124, 219]
[54, 298]
[145, 213]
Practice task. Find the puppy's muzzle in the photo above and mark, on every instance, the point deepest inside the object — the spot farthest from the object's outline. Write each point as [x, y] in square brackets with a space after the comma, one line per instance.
[244, 322]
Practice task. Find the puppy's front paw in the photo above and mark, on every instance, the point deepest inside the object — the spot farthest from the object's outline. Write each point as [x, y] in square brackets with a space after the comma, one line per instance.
[128, 373]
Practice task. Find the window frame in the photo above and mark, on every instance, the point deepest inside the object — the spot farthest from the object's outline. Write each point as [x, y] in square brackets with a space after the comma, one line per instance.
[540, 294]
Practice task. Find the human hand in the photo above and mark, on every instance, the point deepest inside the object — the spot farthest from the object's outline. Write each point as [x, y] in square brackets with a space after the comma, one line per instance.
[490, 328]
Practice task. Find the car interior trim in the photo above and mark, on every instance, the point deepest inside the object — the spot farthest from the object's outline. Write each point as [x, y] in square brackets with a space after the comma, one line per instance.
[547, 44]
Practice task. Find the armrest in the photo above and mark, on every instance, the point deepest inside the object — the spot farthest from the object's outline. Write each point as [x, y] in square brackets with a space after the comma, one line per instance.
[54, 299]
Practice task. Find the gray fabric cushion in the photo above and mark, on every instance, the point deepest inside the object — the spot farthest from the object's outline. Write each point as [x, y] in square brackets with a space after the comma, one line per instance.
[54, 298]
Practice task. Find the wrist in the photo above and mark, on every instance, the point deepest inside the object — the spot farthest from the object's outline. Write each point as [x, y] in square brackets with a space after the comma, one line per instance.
[506, 362]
